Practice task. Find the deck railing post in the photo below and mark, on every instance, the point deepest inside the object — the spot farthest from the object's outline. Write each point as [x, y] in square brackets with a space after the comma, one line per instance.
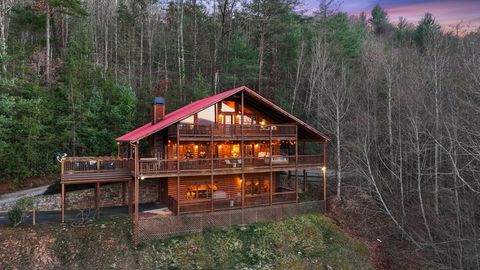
[211, 164]
[271, 163]
[63, 203]
[178, 169]
[324, 170]
[242, 152]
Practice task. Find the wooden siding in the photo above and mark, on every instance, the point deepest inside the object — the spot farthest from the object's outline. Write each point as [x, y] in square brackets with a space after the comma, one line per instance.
[228, 193]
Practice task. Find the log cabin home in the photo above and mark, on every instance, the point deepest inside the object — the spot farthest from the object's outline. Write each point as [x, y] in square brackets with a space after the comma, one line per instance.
[228, 151]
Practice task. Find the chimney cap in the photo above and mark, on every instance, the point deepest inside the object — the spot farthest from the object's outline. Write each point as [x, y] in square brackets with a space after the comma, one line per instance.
[158, 100]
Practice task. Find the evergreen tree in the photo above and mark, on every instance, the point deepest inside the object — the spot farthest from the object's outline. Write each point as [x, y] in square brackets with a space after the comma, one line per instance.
[379, 20]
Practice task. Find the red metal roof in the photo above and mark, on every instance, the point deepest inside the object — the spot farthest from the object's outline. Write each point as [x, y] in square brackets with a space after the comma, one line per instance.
[188, 110]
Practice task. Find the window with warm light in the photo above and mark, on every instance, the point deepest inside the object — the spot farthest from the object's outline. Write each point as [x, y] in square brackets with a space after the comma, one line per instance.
[228, 106]
[200, 191]
[257, 186]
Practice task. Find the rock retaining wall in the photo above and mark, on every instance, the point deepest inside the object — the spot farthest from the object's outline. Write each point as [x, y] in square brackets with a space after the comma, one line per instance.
[110, 195]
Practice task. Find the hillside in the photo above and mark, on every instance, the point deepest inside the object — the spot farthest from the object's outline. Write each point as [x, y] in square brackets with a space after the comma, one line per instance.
[308, 242]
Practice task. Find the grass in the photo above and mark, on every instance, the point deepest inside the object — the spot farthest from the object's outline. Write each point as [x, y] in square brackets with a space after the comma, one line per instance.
[307, 242]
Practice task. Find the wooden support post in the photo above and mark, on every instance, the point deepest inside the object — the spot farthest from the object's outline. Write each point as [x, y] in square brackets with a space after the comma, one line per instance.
[211, 192]
[296, 185]
[137, 185]
[178, 195]
[159, 199]
[118, 149]
[305, 180]
[63, 203]
[124, 190]
[242, 151]
[178, 170]
[33, 216]
[243, 190]
[324, 170]
[212, 150]
[271, 167]
[296, 163]
[97, 200]
[130, 195]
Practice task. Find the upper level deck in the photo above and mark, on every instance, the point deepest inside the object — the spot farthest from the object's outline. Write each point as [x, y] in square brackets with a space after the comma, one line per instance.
[111, 169]
[196, 132]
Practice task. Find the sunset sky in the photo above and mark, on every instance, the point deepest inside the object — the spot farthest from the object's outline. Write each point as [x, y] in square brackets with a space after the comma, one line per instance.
[448, 13]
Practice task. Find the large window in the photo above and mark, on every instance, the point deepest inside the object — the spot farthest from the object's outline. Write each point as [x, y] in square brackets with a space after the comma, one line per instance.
[188, 120]
[228, 106]
[207, 116]
[257, 186]
[200, 191]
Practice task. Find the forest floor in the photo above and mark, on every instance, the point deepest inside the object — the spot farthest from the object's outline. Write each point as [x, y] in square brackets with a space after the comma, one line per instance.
[360, 217]
[307, 242]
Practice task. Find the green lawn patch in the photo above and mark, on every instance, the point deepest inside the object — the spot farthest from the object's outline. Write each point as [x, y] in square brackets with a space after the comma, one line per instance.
[307, 242]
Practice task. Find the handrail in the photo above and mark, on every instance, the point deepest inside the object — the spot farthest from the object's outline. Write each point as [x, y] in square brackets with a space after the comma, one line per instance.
[170, 165]
[93, 164]
[235, 130]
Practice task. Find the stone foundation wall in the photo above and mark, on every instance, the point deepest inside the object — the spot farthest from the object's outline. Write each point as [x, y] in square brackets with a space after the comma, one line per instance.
[110, 195]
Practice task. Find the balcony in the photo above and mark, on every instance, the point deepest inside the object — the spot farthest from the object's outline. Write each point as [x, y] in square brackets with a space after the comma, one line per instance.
[157, 168]
[95, 169]
[233, 132]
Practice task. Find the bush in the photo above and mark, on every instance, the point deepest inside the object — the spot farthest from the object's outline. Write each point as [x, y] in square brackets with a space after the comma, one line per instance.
[18, 213]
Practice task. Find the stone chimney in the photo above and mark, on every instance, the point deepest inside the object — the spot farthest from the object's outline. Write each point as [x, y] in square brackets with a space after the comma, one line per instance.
[158, 109]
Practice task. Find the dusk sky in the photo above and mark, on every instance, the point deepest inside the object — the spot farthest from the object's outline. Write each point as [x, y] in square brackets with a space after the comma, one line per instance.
[448, 13]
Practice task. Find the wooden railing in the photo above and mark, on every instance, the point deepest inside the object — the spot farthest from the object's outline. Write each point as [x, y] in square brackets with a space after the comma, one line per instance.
[233, 131]
[154, 167]
[71, 165]
[234, 202]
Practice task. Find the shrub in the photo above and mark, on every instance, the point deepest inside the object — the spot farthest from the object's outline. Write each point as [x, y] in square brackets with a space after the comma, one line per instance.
[18, 213]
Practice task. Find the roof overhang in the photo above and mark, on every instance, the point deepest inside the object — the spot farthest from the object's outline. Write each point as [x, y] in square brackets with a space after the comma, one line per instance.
[197, 106]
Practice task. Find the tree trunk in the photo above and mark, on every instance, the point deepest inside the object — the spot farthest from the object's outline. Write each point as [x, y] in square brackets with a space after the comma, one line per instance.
[47, 56]
[3, 36]
[261, 52]
[297, 76]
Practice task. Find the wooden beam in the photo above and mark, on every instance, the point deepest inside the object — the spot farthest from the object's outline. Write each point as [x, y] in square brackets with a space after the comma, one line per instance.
[63, 203]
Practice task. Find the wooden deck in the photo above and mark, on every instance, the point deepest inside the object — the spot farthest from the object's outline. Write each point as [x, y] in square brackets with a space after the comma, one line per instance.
[118, 175]
[85, 170]
[218, 132]
[190, 167]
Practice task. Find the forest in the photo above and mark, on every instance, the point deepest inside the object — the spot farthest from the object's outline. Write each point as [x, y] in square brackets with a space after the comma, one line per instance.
[400, 99]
